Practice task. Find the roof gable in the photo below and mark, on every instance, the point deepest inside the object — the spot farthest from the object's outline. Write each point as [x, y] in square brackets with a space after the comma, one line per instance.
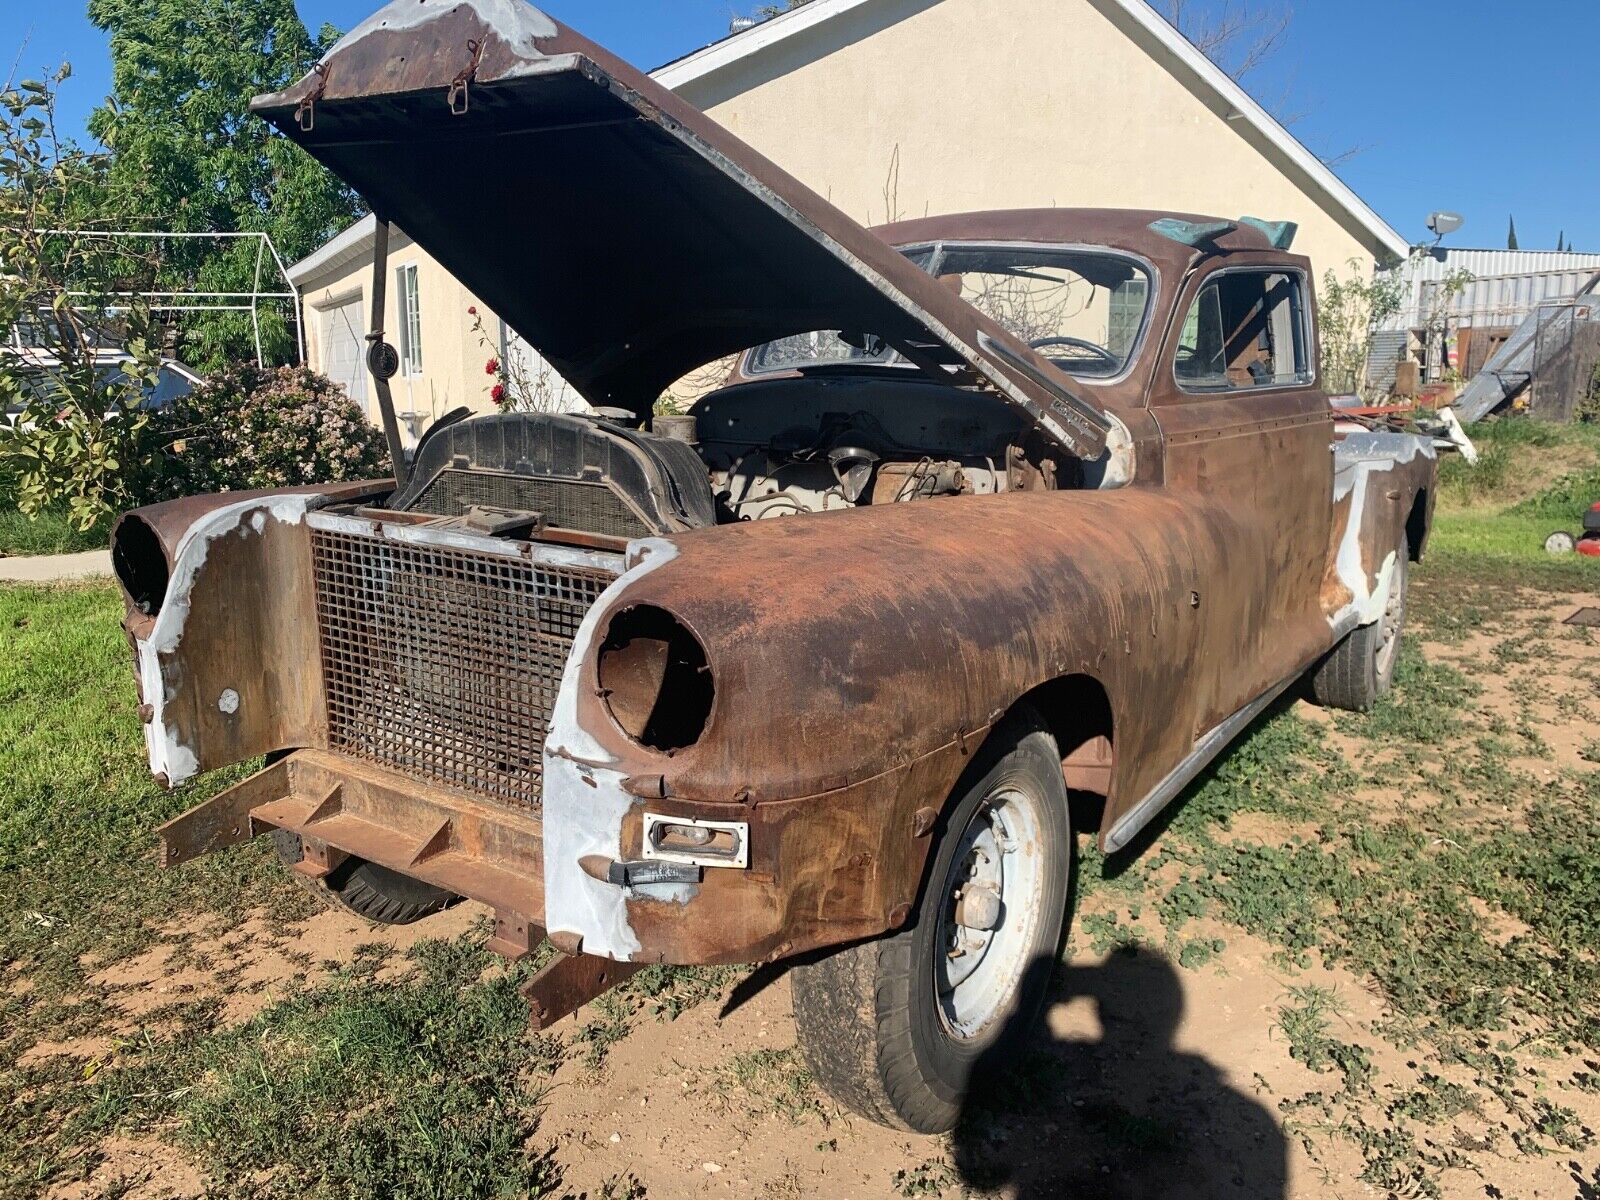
[1175, 52]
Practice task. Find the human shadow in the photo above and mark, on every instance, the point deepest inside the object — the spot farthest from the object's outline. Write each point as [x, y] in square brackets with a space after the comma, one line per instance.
[1126, 1116]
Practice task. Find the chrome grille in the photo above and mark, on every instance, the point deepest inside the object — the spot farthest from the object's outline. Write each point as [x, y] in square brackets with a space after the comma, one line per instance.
[565, 503]
[444, 663]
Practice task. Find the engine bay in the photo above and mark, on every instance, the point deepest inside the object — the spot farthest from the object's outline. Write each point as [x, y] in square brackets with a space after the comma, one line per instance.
[749, 452]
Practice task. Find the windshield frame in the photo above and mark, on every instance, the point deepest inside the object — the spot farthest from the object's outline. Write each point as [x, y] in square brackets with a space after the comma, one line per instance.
[937, 249]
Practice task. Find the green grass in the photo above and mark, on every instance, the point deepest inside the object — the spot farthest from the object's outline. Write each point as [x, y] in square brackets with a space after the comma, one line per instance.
[427, 1086]
[48, 533]
[425, 1083]
[1471, 909]
[1476, 522]
[77, 806]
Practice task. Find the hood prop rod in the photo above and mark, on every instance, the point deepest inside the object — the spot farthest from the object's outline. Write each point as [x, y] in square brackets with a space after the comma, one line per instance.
[383, 362]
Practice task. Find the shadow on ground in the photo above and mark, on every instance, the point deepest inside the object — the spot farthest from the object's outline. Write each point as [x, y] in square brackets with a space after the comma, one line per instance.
[1126, 1114]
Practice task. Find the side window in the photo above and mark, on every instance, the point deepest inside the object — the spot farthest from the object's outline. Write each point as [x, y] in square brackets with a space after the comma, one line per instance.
[410, 321]
[1246, 330]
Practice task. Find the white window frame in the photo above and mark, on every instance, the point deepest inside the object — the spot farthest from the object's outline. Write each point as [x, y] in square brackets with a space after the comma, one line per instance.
[408, 313]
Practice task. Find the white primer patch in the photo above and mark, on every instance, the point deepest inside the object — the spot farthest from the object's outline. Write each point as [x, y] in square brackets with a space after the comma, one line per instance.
[512, 21]
[1356, 460]
[584, 800]
[168, 756]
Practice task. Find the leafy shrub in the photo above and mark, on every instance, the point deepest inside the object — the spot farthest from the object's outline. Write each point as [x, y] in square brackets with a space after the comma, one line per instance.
[74, 434]
[253, 427]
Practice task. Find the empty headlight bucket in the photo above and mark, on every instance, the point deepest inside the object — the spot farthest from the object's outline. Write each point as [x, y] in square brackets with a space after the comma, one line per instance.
[654, 679]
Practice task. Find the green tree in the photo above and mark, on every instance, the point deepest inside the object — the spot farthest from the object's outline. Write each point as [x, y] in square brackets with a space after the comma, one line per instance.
[1511, 237]
[182, 139]
[76, 434]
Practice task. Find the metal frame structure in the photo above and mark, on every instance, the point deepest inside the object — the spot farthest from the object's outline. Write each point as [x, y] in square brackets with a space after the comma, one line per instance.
[214, 301]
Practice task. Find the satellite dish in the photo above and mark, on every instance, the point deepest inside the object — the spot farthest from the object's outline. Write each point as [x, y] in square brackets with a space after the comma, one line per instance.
[1442, 224]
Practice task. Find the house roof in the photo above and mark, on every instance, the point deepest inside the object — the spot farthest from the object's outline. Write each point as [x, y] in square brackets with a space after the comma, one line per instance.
[790, 27]
[1179, 54]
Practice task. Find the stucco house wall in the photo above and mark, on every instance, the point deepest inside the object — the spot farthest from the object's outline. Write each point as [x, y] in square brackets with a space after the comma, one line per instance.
[452, 360]
[905, 108]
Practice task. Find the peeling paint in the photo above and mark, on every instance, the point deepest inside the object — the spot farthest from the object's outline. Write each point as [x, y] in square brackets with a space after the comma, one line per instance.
[228, 702]
[168, 756]
[517, 24]
[584, 800]
[1357, 459]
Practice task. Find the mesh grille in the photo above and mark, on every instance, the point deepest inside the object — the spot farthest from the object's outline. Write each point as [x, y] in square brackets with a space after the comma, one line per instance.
[565, 503]
[444, 663]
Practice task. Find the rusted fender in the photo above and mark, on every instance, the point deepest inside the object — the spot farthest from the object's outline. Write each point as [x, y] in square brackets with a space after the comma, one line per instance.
[846, 645]
[221, 620]
[860, 659]
[1385, 486]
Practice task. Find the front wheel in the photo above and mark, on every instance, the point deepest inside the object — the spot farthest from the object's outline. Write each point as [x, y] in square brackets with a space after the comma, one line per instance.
[897, 1028]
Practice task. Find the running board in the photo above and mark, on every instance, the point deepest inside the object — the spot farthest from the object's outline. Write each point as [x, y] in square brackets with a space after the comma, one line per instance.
[1206, 748]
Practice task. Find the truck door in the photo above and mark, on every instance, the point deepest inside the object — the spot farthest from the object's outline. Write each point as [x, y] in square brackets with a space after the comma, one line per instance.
[1247, 436]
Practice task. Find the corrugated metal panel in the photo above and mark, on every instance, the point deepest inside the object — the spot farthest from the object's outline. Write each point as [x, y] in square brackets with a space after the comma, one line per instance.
[1507, 284]
[1503, 299]
[1504, 262]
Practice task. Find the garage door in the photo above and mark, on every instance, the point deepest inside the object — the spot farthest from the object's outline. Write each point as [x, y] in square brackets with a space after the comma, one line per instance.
[343, 343]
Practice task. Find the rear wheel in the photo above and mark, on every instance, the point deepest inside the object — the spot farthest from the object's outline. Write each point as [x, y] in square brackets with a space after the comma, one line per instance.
[1361, 667]
[898, 1029]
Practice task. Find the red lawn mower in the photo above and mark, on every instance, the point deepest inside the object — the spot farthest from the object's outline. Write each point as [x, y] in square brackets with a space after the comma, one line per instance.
[1562, 542]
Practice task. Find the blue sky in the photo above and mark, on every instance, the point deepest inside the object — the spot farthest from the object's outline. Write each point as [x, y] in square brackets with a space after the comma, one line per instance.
[1478, 106]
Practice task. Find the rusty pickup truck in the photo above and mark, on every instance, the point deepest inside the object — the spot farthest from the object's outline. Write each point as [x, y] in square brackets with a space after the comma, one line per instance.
[994, 509]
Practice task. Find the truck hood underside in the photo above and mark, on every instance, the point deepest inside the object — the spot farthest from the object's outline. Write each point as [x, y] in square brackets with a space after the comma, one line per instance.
[624, 234]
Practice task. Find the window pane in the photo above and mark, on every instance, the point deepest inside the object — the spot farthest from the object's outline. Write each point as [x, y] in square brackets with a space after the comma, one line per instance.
[1200, 361]
[410, 322]
[1082, 310]
[1246, 330]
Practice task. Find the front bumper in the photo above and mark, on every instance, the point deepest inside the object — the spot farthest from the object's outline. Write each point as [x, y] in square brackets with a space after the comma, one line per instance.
[822, 870]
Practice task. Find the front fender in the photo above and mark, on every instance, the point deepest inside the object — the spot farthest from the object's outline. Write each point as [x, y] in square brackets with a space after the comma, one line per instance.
[220, 605]
[859, 659]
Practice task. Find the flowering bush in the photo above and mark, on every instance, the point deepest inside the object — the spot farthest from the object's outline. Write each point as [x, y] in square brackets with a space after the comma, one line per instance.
[250, 427]
[518, 385]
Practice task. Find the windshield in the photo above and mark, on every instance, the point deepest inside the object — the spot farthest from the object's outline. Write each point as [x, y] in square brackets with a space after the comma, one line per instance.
[1084, 310]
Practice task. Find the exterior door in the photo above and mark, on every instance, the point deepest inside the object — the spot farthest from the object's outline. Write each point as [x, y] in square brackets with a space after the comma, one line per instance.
[343, 337]
[1248, 434]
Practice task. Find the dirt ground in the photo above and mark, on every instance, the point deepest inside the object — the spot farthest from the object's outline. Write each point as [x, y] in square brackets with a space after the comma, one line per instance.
[1153, 1079]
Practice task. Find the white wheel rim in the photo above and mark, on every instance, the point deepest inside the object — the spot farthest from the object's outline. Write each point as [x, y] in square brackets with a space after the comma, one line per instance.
[977, 971]
[1394, 612]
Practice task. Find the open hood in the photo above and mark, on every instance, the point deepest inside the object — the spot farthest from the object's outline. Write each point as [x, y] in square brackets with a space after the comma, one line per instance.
[621, 232]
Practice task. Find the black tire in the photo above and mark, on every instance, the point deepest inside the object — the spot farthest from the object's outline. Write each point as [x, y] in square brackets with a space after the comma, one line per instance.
[1361, 667]
[364, 888]
[872, 1027]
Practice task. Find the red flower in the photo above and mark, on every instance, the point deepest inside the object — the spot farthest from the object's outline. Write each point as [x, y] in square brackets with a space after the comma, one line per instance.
[472, 310]
[492, 367]
[497, 393]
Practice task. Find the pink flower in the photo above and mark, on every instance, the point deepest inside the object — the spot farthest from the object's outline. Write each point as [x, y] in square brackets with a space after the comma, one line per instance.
[492, 367]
